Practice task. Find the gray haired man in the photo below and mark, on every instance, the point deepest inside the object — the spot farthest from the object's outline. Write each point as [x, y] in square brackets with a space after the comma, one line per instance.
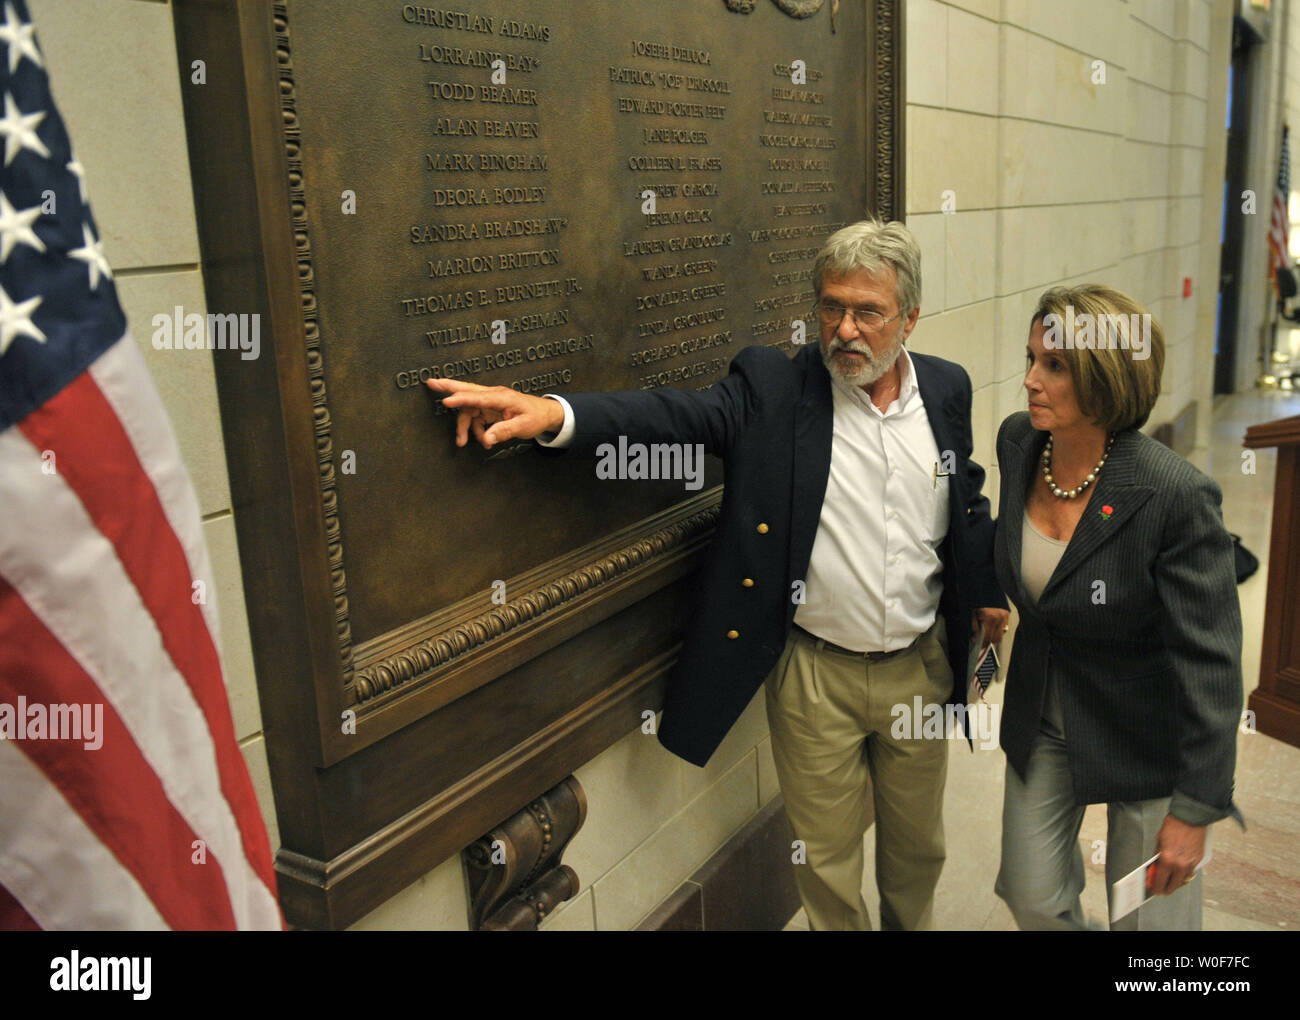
[852, 559]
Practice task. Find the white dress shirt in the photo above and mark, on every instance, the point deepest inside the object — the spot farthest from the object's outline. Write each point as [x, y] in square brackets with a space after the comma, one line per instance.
[875, 575]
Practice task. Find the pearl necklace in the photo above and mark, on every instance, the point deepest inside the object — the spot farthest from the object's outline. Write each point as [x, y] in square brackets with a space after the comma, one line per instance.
[1060, 493]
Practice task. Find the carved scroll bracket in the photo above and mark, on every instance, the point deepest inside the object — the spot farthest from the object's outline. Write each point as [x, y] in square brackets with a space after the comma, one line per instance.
[515, 875]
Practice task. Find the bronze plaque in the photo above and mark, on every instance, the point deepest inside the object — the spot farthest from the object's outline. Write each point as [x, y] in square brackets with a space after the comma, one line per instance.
[548, 196]
[505, 162]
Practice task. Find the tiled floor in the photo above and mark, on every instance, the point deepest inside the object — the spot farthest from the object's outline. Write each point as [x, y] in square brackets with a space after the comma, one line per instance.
[1253, 881]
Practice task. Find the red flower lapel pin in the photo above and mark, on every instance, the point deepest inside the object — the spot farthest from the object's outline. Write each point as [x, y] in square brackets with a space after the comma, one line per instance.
[1106, 511]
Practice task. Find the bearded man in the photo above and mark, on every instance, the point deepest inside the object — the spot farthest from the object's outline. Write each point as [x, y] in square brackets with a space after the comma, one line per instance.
[851, 562]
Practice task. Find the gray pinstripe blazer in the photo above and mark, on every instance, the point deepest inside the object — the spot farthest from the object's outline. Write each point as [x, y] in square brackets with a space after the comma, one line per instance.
[1148, 667]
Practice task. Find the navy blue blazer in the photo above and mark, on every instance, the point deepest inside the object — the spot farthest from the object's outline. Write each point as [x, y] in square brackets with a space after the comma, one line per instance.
[770, 421]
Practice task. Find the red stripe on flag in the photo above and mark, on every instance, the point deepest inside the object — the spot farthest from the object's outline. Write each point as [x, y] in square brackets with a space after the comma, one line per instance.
[113, 788]
[1278, 239]
[95, 457]
[12, 915]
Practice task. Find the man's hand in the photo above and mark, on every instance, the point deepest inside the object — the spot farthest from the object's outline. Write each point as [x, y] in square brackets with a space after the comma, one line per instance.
[995, 623]
[1181, 847]
[497, 413]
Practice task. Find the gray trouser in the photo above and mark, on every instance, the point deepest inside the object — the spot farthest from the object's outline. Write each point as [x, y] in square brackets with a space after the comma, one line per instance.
[1041, 875]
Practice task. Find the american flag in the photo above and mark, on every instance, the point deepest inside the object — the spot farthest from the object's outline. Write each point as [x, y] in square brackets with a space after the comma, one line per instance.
[1279, 242]
[150, 821]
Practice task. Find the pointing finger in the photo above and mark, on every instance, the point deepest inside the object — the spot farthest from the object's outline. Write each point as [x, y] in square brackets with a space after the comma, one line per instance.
[451, 385]
[491, 399]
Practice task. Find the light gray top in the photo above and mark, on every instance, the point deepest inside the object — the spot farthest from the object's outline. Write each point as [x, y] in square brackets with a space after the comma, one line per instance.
[1038, 558]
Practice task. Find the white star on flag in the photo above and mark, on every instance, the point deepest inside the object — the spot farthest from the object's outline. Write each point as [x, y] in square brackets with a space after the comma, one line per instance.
[74, 167]
[92, 253]
[19, 130]
[20, 37]
[16, 227]
[16, 320]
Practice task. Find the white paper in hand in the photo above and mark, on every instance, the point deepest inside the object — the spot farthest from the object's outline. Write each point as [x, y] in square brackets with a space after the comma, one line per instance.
[1130, 892]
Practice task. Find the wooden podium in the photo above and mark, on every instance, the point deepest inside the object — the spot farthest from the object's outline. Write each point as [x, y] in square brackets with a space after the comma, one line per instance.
[1276, 702]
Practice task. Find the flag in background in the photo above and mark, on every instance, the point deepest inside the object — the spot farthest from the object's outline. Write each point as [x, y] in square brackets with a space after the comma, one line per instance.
[124, 800]
[1279, 227]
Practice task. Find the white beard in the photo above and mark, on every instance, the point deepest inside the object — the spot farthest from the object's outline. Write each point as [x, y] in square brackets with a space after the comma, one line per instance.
[873, 366]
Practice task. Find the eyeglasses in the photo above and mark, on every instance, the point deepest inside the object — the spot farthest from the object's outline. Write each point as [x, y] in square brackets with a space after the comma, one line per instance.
[832, 315]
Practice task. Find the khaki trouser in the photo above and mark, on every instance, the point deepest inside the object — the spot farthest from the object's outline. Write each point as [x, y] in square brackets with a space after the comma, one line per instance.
[831, 717]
